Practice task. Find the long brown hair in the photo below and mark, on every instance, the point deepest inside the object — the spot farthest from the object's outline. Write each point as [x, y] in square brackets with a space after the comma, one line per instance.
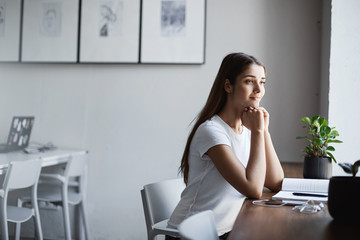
[231, 66]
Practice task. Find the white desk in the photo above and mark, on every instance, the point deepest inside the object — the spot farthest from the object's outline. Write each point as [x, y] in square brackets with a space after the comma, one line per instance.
[50, 157]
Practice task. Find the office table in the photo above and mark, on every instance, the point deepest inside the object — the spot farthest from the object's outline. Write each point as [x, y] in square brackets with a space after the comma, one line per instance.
[282, 223]
[50, 157]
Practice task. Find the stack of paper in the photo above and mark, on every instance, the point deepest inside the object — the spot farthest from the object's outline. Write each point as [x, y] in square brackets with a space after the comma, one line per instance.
[300, 189]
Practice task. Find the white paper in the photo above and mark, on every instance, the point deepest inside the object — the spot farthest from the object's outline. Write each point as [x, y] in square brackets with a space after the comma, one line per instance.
[312, 186]
[110, 31]
[10, 30]
[50, 31]
[305, 185]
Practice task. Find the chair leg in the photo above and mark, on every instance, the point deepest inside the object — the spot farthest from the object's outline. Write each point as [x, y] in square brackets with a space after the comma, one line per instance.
[18, 225]
[4, 227]
[84, 220]
[38, 229]
[66, 213]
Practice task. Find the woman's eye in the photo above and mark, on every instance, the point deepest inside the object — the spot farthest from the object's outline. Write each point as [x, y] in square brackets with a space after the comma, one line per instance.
[248, 81]
[263, 82]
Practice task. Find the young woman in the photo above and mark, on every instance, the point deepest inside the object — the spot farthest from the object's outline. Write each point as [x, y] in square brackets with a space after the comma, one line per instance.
[229, 154]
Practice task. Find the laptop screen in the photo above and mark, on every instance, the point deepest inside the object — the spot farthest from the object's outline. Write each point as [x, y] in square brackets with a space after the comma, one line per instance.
[20, 129]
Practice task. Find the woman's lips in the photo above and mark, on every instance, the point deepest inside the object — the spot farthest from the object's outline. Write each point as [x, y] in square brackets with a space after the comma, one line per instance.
[255, 98]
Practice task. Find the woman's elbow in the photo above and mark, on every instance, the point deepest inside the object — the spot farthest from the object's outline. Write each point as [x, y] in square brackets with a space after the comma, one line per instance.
[275, 186]
[257, 195]
[254, 194]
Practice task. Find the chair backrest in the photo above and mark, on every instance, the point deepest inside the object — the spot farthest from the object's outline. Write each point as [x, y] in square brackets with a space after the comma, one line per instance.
[160, 199]
[22, 174]
[76, 165]
[200, 226]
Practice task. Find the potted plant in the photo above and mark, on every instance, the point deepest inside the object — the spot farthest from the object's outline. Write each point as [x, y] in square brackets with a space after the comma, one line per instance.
[318, 156]
[344, 194]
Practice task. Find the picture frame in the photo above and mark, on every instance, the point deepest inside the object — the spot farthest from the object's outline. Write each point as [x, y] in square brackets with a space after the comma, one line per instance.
[50, 31]
[10, 21]
[110, 31]
[173, 31]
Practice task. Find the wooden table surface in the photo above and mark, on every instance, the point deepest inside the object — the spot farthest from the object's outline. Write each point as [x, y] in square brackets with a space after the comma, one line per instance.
[283, 223]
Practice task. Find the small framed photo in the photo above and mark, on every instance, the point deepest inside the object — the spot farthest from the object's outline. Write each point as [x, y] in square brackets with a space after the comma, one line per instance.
[10, 15]
[110, 31]
[50, 31]
[173, 31]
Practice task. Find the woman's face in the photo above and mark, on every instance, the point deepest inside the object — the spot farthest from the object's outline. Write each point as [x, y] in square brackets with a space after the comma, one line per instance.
[249, 87]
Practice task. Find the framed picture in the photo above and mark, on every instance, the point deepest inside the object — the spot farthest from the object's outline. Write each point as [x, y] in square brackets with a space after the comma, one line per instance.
[50, 31]
[110, 31]
[173, 31]
[10, 15]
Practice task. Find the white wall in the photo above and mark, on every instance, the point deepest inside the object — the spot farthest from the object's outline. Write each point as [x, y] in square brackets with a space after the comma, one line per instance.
[344, 84]
[134, 118]
[325, 58]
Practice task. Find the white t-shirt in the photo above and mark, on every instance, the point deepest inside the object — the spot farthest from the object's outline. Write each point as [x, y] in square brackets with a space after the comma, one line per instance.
[206, 188]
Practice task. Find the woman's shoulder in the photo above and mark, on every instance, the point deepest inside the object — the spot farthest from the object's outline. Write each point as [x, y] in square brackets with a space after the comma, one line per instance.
[211, 126]
[213, 122]
[210, 133]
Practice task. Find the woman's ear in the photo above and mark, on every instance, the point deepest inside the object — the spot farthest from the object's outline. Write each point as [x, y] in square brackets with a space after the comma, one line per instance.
[227, 86]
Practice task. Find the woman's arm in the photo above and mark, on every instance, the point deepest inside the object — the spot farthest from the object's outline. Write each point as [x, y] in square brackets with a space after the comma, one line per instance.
[274, 171]
[250, 180]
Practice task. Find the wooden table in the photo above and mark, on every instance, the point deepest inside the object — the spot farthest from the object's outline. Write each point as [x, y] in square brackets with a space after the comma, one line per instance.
[282, 223]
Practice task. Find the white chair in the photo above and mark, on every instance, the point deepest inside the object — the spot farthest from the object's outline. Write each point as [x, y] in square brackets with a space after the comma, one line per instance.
[159, 201]
[19, 175]
[59, 194]
[200, 226]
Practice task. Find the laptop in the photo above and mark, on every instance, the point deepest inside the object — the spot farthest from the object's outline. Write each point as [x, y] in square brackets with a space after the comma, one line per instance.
[19, 135]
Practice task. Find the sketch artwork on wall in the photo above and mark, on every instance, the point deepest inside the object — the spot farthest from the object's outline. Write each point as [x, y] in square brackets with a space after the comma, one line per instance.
[10, 15]
[2, 17]
[173, 31]
[173, 18]
[110, 18]
[110, 31]
[103, 31]
[49, 36]
[50, 18]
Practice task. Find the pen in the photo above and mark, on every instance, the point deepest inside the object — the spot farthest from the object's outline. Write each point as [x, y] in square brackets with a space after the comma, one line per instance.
[308, 194]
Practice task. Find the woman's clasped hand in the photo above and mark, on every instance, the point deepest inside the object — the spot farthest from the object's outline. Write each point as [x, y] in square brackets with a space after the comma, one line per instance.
[253, 118]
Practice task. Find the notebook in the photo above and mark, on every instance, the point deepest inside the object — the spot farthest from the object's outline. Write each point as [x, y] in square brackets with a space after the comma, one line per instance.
[301, 189]
[19, 135]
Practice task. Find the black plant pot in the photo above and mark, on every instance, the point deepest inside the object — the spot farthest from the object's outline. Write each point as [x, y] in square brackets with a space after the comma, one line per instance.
[343, 198]
[319, 168]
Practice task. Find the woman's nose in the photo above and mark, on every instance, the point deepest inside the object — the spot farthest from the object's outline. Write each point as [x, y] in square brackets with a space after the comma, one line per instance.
[257, 88]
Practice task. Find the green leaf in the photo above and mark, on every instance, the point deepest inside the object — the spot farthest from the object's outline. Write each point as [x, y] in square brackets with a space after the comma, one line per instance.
[311, 131]
[332, 156]
[323, 122]
[355, 167]
[308, 150]
[306, 120]
[316, 124]
[323, 134]
[335, 141]
[317, 142]
[325, 129]
[330, 148]
[314, 118]
[346, 166]
[336, 133]
[357, 163]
